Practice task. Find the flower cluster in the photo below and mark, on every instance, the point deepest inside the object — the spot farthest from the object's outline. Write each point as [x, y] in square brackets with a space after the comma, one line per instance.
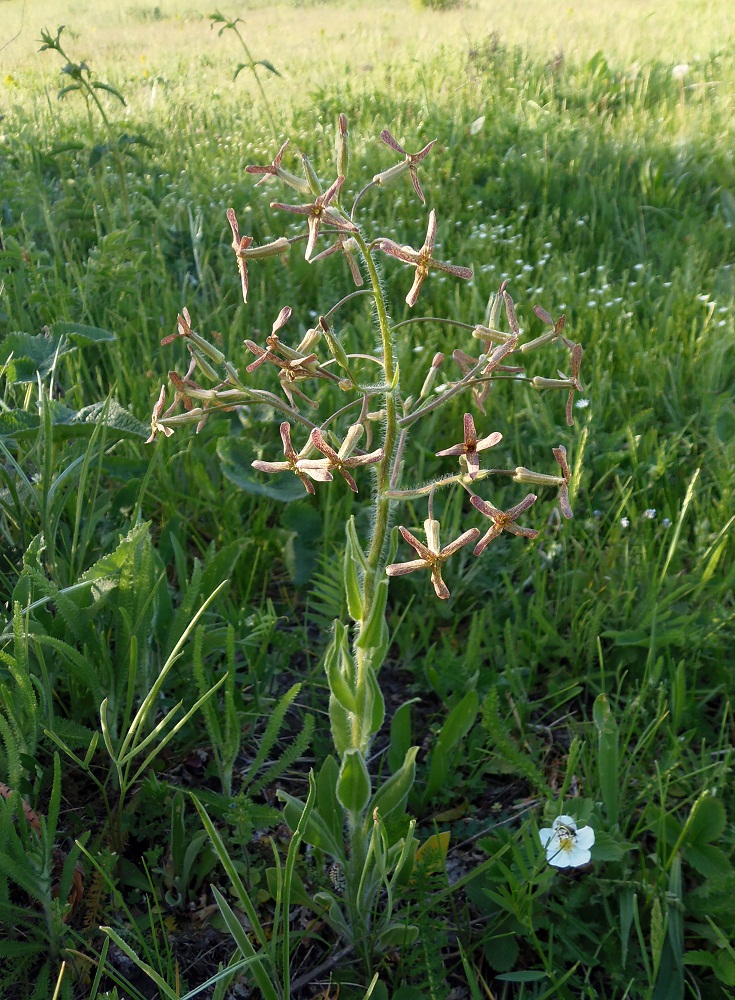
[318, 355]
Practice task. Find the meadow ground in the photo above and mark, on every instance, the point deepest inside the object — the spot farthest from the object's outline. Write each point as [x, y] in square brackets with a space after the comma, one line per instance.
[589, 672]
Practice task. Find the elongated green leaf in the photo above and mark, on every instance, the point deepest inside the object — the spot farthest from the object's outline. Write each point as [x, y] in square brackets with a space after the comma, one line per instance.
[231, 871]
[268, 65]
[456, 726]
[242, 941]
[317, 832]
[400, 734]
[353, 785]
[341, 726]
[98, 85]
[147, 969]
[326, 797]
[393, 793]
[353, 570]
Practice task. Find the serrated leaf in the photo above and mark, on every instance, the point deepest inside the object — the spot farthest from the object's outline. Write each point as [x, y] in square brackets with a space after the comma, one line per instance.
[109, 413]
[608, 848]
[708, 820]
[79, 333]
[24, 355]
[708, 860]
[501, 952]
[18, 424]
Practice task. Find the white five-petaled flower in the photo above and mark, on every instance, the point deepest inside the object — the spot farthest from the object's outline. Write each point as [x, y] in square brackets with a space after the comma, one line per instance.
[566, 845]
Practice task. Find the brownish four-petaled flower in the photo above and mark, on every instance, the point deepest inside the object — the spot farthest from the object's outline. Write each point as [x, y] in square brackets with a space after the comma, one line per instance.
[408, 164]
[471, 446]
[318, 470]
[432, 556]
[245, 251]
[343, 459]
[422, 260]
[319, 212]
[502, 520]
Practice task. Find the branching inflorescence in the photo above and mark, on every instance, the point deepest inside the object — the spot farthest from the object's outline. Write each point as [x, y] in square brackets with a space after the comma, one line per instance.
[372, 861]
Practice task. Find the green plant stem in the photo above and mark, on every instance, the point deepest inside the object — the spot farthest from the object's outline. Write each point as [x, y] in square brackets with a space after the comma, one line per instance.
[382, 502]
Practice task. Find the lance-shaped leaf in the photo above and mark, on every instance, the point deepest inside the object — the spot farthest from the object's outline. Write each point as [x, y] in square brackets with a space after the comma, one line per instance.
[422, 260]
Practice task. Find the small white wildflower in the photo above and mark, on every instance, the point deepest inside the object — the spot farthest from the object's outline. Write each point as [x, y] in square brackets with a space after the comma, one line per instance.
[666, 522]
[649, 513]
[680, 71]
[566, 846]
[638, 267]
[592, 304]
[581, 404]
[624, 522]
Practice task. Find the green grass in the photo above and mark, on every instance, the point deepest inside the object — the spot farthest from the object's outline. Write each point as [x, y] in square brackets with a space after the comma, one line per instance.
[600, 185]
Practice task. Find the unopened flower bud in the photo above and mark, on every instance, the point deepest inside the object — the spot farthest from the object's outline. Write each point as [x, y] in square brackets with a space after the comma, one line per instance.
[354, 433]
[523, 475]
[391, 174]
[311, 177]
[309, 341]
[431, 375]
[539, 382]
[343, 146]
[205, 366]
